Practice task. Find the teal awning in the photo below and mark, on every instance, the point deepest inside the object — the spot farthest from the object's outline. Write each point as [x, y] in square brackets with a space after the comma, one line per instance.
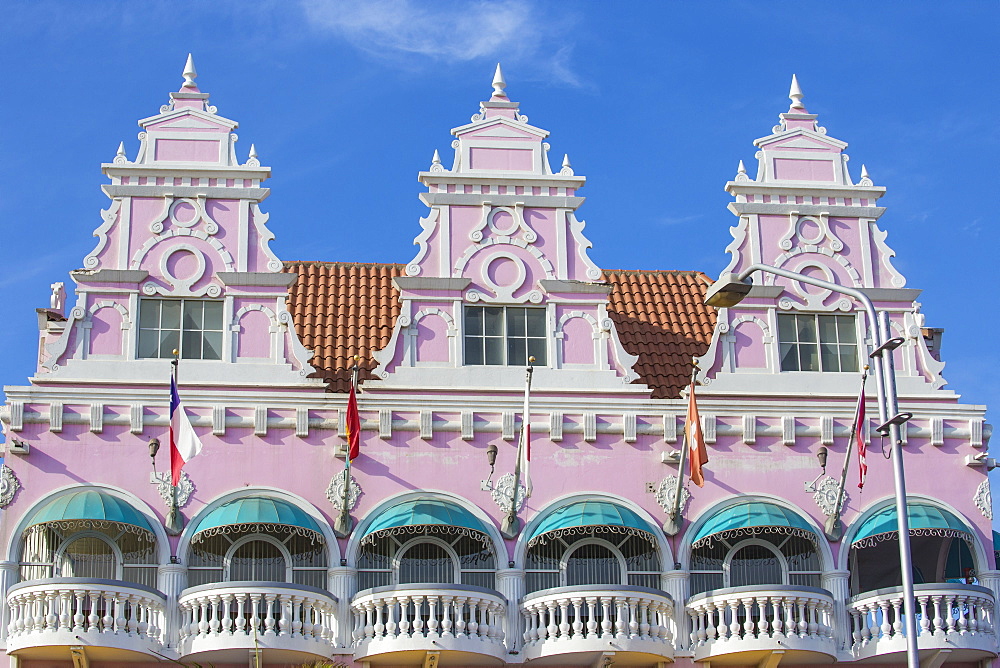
[89, 508]
[752, 517]
[259, 513]
[420, 516]
[925, 520]
[585, 516]
[996, 542]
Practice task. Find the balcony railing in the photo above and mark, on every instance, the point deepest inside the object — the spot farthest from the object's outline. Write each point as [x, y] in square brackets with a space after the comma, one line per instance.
[452, 617]
[761, 617]
[105, 613]
[949, 616]
[269, 615]
[587, 618]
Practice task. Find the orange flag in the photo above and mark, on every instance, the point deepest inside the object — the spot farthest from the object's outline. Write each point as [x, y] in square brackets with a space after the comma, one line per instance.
[697, 452]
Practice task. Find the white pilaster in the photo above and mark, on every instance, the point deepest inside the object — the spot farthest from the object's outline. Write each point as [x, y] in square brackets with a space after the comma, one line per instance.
[838, 583]
[678, 585]
[342, 582]
[8, 577]
[171, 579]
[990, 580]
[510, 583]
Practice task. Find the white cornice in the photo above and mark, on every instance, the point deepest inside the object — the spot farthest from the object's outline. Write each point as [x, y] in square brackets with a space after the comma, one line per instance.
[836, 210]
[508, 179]
[188, 111]
[807, 189]
[537, 201]
[211, 192]
[499, 120]
[797, 132]
[185, 169]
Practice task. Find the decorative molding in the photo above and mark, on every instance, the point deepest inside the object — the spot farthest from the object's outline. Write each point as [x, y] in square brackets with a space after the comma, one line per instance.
[218, 420]
[787, 430]
[427, 225]
[96, 418]
[507, 425]
[937, 431]
[582, 243]
[302, 422]
[136, 415]
[590, 427]
[335, 491]
[976, 432]
[708, 428]
[826, 430]
[666, 491]
[749, 429]
[503, 493]
[108, 217]
[468, 426]
[9, 484]
[825, 496]
[426, 424]
[556, 426]
[385, 423]
[260, 421]
[55, 417]
[629, 427]
[669, 428]
[983, 499]
[184, 490]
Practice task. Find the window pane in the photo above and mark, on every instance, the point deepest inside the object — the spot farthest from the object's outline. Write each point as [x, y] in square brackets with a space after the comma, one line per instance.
[170, 314]
[536, 348]
[169, 342]
[516, 353]
[89, 557]
[493, 321]
[473, 321]
[806, 328]
[593, 564]
[828, 328]
[830, 357]
[426, 562]
[754, 565]
[808, 357]
[515, 322]
[474, 351]
[192, 346]
[845, 329]
[849, 358]
[213, 346]
[258, 560]
[212, 315]
[192, 315]
[494, 351]
[789, 357]
[786, 327]
[148, 342]
[536, 321]
[149, 313]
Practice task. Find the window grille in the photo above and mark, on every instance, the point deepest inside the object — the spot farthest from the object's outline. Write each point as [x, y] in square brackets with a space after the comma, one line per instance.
[599, 557]
[191, 326]
[258, 556]
[435, 556]
[764, 558]
[108, 552]
[505, 335]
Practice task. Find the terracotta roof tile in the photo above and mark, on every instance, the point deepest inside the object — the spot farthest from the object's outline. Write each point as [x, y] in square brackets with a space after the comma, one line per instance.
[341, 309]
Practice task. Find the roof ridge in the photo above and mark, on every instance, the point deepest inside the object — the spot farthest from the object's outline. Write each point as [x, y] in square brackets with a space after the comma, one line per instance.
[345, 264]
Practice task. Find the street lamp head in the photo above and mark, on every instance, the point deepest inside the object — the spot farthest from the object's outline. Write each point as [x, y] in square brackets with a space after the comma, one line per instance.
[727, 291]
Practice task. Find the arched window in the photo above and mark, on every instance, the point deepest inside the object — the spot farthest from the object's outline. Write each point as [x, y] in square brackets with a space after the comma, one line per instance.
[71, 536]
[768, 558]
[598, 556]
[940, 545]
[436, 556]
[253, 555]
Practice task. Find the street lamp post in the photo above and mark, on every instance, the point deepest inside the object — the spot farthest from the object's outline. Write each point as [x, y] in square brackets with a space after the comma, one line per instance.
[731, 289]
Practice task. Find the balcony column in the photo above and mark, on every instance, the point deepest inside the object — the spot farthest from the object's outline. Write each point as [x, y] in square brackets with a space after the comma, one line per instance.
[8, 577]
[678, 585]
[342, 581]
[990, 580]
[171, 579]
[838, 583]
[510, 583]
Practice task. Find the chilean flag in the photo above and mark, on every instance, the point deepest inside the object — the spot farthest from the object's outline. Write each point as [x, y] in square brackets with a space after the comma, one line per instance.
[184, 443]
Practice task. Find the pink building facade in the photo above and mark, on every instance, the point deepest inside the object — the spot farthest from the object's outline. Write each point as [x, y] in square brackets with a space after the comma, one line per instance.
[248, 566]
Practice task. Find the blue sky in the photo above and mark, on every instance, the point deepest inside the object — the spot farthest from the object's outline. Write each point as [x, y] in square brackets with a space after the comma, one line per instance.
[655, 102]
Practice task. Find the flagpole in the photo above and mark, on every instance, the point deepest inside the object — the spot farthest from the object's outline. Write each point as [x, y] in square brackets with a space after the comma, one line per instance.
[833, 527]
[672, 525]
[511, 525]
[175, 522]
[344, 523]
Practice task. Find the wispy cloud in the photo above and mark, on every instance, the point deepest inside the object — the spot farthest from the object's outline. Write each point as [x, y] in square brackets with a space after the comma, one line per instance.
[670, 221]
[450, 31]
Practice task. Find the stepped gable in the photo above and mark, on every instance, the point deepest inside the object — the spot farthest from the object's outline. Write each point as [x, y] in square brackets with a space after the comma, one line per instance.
[661, 316]
[341, 309]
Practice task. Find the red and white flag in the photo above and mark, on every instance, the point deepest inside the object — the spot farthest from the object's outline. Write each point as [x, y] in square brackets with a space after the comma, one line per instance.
[697, 451]
[184, 443]
[859, 438]
[353, 424]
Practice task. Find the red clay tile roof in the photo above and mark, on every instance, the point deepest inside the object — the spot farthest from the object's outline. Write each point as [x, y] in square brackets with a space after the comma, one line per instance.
[342, 309]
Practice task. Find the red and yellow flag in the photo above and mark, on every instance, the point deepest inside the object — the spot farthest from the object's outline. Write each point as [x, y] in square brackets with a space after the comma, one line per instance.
[697, 452]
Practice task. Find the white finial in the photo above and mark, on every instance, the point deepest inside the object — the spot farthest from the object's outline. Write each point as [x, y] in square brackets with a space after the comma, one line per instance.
[741, 169]
[864, 172]
[498, 83]
[866, 180]
[253, 151]
[567, 168]
[190, 74]
[741, 173]
[795, 94]
[436, 165]
[120, 157]
[252, 160]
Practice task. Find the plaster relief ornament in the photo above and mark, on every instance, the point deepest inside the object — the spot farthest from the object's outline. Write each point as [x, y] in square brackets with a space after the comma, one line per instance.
[9, 484]
[983, 499]
[503, 492]
[666, 491]
[825, 496]
[335, 492]
[184, 490]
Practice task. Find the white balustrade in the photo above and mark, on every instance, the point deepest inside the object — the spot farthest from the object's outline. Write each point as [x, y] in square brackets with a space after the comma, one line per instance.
[761, 617]
[433, 617]
[108, 613]
[584, 618]
[944, 612]
[272, 614]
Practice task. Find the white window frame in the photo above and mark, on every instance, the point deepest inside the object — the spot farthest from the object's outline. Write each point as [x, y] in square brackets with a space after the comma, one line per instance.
[456, 565]
[750, 542]
[223, 328]
[58, 559]
[285, 554]
[564, 560]
[546, 339]
[858, 340]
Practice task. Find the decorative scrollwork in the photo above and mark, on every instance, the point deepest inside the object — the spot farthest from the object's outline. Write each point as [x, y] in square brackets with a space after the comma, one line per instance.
[335, 491]
[213, 290]
[9, 484]
[983, 499]
[666, 492]
[503, 493]
[184, 490]
[825, 496]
